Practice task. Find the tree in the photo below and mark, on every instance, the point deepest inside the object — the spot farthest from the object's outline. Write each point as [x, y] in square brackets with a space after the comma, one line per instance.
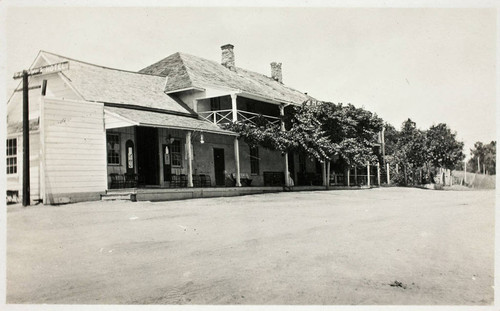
[352, 131]
[443, 149]
[408, 151]
[485, 155]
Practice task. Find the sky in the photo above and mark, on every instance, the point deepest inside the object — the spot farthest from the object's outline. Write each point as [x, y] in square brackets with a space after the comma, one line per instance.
[430, 65]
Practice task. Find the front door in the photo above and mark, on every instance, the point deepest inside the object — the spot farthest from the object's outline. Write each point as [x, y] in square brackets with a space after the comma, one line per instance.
[219, 167]
[147, 155]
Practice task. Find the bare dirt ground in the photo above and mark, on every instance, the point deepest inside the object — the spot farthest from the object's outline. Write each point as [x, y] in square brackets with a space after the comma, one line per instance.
[378, 246]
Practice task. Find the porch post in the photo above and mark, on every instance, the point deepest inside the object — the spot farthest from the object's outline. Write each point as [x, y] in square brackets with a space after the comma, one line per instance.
[189, 160]
[388, 174]
[237, 161]
[378, 174]
[234, 107]
[368, 173]
[328, 175]
[282, 127]
[324, 173]
[356, 175]
[348, 177]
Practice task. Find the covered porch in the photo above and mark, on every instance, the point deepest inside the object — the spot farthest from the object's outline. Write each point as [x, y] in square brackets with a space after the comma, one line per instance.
[151, 150]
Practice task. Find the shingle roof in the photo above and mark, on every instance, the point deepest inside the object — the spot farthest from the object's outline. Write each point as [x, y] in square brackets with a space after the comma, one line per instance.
[102, 84]
[184, 71]
[157, 119]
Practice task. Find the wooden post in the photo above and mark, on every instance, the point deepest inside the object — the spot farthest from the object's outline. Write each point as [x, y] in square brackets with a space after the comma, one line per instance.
[356, 175]
[189, 160]
[234, 107]
[348, 177]
[41, 155]
[237, 161]
[465, 172]
[323, 167]
[378, 174]
[26, 142]
[368, 173]
[328, 175]
[388, 174]
[282, 128]
[397, 169]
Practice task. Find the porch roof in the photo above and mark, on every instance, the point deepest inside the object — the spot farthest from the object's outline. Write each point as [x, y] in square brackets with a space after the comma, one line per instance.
[122, 117]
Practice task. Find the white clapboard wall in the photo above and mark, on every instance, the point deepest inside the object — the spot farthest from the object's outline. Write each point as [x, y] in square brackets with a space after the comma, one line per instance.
[73, 149]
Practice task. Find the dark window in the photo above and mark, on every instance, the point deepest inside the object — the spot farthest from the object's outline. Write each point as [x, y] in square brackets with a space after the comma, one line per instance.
[12, 156]
[254, 160]
[215, 103]
[175, 151]
[113, 148]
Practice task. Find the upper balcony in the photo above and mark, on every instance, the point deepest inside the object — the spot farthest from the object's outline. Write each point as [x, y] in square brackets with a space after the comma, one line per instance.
[226, 109]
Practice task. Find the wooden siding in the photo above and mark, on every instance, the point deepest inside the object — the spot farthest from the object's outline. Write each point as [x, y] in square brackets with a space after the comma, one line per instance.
[74, 141]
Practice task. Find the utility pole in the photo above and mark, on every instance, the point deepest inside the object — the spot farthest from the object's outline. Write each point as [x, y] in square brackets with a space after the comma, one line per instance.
[25, 74]
[26, 142]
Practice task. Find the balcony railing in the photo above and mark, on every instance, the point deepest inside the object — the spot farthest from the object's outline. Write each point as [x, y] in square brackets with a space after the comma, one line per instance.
[226, 116]
[218, 116]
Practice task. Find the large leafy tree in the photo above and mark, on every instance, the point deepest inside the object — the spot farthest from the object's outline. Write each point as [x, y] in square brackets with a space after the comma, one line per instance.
[352, 131]
[410, 147]
[442, 147]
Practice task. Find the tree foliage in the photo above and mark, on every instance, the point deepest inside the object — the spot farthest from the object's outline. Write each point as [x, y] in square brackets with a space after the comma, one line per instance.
[486, 154]
[442, 148]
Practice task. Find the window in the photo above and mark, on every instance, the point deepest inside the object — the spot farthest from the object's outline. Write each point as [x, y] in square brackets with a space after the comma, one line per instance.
[215, 103]
[113, 148]
[175, 152]
[254, 160]
[12, 156]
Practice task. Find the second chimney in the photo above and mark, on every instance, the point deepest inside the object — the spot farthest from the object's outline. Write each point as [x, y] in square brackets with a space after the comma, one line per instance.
[228, 56]
[276, 72]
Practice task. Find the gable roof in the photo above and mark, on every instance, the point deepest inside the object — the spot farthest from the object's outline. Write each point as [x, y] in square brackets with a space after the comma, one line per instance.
[108, 85]
[185, 71]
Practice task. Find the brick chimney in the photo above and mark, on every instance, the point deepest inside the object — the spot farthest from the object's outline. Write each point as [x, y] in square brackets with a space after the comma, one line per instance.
[228, 56]
[276, 72]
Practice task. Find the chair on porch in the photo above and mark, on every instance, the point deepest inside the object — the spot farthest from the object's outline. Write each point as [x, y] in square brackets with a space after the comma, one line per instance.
[131, 180]
[183, 180]
[205, 180]
[117, 181]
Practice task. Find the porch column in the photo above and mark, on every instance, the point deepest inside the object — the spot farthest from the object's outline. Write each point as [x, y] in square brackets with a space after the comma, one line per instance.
[282, 127]
[368, 173]
[324, 173]
[388, 174]
[234, 107]
[356, 175]
[189, 160]
[348, 177]
[328, 175]
[378, 174]
[237, 161]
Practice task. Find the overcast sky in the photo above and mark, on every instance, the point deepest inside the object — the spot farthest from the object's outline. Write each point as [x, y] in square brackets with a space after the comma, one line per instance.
[430, 65]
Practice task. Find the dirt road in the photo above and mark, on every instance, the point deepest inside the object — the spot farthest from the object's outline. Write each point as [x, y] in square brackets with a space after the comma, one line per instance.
[378, 246]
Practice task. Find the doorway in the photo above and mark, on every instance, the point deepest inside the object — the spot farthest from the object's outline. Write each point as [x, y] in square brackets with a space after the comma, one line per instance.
[219, 167]
[147, 155]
